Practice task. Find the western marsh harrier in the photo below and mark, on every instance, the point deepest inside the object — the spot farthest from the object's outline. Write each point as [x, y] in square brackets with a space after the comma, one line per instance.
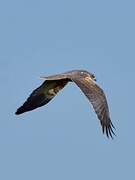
[85, 81]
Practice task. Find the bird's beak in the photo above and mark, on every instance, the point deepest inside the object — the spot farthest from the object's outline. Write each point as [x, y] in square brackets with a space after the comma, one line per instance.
[94, 79]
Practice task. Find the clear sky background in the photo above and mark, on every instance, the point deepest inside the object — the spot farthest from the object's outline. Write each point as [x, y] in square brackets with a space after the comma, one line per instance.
[63, 140]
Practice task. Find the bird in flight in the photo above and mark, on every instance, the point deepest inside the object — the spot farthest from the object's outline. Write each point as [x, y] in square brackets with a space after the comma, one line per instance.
[86, 81]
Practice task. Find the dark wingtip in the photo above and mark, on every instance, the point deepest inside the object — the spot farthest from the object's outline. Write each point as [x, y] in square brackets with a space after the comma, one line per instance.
[109, 130]
[19, 111]
[16, 113]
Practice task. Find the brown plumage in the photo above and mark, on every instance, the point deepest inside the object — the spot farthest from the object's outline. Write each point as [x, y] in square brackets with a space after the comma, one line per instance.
[85, 81]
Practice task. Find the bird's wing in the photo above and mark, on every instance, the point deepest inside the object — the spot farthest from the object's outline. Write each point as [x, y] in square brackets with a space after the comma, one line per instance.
[57, 77]
[42, 95]
[97, 97]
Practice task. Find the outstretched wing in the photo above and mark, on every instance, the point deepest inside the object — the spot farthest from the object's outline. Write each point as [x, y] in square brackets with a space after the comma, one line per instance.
[42, 95]
[97, 97]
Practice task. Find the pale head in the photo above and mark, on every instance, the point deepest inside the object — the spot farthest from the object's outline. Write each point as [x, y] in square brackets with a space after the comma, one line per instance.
[87, 74]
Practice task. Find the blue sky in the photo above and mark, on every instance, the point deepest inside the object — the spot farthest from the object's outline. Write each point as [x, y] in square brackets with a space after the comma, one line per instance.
[63, 140]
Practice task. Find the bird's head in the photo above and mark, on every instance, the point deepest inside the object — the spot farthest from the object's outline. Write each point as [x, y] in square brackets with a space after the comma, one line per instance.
[87, 75]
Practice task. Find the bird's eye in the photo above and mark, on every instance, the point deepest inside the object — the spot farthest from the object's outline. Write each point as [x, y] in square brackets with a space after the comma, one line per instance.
[93, 77]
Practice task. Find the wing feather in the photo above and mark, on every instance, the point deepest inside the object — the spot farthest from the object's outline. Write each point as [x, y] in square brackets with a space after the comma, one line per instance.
[42, 95]
[98, 100]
